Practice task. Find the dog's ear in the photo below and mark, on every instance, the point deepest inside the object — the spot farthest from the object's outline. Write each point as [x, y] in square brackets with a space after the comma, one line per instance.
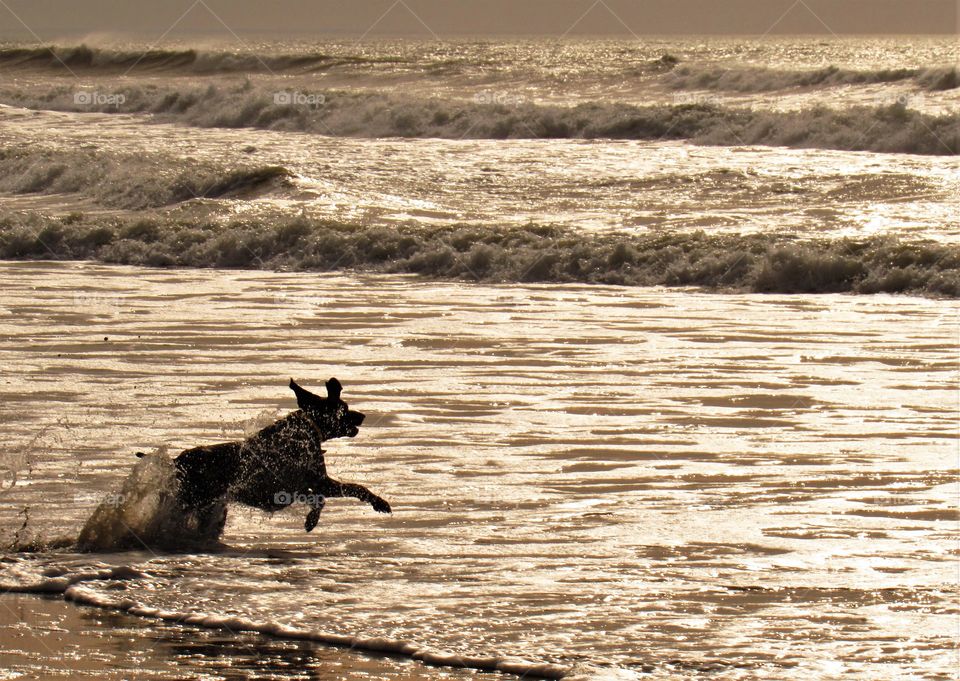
[334, 389]
[305, 398]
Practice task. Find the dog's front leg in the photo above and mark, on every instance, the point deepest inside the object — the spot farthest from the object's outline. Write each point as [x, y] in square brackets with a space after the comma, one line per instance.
[313, 517]
[334, 488]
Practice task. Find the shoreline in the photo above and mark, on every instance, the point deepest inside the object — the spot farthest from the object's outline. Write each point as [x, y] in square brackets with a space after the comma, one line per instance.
[41, 630]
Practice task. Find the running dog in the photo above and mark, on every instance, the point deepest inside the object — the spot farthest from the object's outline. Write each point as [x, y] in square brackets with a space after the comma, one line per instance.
[278, 466]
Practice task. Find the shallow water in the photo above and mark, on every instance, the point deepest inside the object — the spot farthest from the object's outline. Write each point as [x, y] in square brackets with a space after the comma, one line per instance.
[46, 638]
[619, 481]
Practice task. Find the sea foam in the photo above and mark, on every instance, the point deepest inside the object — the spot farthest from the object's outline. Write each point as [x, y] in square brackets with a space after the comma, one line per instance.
[75, 588]
[525, 254]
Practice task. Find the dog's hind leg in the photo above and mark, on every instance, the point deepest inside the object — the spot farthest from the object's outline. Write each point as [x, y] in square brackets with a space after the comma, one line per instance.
[213, 520]
[334, 488]
[210, 520]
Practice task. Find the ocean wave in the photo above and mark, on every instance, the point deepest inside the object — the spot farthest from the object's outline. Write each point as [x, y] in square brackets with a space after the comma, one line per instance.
[129, 181]
[746, 79]
[754, 262]
[450, 62]
[892, 129]
[75, 587]
[197, 62]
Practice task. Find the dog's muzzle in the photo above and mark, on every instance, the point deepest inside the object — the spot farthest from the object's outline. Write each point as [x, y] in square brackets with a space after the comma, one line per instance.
[354, 419]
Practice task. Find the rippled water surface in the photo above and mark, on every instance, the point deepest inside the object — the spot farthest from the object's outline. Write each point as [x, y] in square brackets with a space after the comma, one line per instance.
[619, 481]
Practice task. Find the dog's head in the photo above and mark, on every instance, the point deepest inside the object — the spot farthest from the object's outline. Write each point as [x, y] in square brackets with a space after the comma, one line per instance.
[330, 413]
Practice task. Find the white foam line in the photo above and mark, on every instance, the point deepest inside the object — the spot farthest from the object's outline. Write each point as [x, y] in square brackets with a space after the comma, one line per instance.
[72, 590]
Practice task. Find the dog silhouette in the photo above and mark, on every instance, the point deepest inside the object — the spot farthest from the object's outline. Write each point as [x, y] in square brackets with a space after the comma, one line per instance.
[280, 465]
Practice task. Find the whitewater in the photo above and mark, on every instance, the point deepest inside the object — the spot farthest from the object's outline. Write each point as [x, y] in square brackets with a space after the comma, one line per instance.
[657, 342]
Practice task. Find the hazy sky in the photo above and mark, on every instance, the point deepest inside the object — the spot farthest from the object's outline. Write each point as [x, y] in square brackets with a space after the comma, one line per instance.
[51, 19]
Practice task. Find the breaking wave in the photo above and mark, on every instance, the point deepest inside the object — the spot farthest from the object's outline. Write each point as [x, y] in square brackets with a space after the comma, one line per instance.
[893, 129]
[745, 79]
[738, 78]
[197, 62]
[753, 262]
[129, 181]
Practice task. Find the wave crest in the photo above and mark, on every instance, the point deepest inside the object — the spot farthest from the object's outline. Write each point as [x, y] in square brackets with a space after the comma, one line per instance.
[755, 262]
[667, 68]
[745, 79]
[892, 129]
[129, 181]
[198, 62]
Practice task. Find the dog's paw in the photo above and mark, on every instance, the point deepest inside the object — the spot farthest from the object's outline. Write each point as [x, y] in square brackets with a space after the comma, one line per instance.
[313, 517]
[381, 506]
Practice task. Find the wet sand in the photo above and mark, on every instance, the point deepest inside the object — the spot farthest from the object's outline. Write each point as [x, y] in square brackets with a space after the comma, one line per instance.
[47, 638]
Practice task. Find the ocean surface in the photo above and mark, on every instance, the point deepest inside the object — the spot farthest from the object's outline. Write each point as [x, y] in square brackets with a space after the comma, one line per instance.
[658, 342]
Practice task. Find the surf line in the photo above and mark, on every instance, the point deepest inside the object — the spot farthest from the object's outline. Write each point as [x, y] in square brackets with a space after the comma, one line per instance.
[70, 587]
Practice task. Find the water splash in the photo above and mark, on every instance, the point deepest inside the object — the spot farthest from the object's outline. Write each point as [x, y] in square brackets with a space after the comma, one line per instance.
[145, 514]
